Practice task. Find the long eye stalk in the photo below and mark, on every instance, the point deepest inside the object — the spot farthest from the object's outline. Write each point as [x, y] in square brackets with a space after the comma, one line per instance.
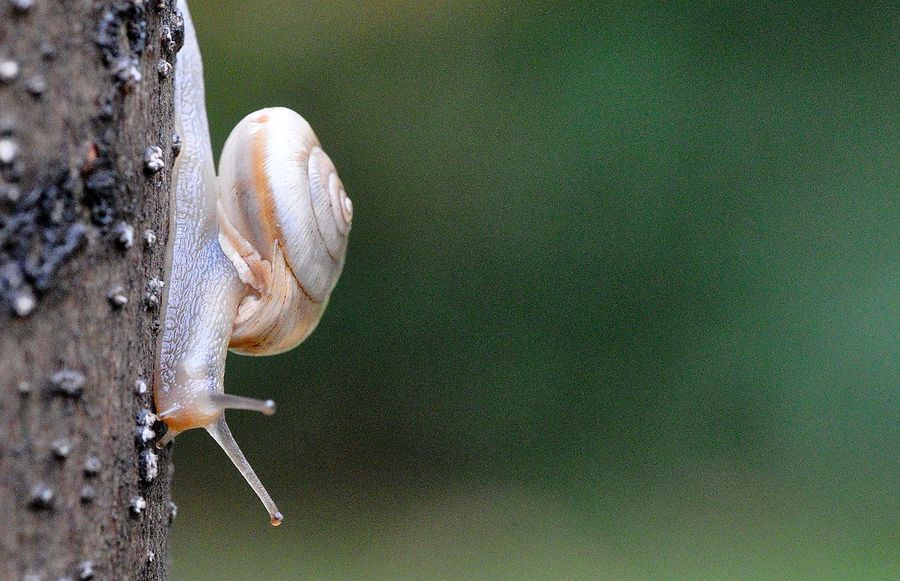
[221, 434]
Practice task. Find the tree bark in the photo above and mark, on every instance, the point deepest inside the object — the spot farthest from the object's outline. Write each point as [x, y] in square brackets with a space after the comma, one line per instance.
[85, 95]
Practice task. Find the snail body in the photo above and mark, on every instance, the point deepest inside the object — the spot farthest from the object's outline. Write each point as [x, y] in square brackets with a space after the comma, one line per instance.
[252, 258]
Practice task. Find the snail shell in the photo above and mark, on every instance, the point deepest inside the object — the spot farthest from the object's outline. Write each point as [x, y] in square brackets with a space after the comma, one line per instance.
[284, 218]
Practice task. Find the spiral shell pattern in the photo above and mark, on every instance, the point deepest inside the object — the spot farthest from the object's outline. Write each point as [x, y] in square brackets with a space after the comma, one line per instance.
[284, 218]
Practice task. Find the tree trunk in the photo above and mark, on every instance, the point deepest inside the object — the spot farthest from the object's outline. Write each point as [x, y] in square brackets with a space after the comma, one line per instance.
[85, 96]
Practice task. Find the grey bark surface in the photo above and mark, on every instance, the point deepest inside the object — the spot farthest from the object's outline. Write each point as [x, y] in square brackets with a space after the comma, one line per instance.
[85, 89]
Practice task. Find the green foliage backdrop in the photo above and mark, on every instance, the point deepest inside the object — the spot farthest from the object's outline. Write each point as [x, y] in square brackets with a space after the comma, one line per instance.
[621, 298]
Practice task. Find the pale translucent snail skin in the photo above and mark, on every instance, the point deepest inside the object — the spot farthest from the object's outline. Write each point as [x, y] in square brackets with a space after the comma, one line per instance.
[251, 259]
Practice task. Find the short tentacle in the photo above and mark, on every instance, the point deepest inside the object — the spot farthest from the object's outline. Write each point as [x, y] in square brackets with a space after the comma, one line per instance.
[228, 401]
[167, 437]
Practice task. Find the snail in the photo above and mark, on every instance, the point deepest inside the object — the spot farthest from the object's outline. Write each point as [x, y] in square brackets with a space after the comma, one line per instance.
[252, 258]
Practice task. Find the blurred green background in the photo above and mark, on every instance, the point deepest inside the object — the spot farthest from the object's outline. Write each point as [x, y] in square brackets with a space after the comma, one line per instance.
[621, 299]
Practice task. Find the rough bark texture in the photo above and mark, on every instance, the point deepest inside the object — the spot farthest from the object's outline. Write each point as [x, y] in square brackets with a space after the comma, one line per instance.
[85, 89]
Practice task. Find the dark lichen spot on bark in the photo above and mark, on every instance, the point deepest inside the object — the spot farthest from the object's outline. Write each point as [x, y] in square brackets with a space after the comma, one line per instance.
[121, 39]
[101, 187]
[178, 30]
[39, 231]
[122, 31]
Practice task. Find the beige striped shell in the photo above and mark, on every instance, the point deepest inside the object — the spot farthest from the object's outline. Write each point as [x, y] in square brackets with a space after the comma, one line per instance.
[284, 218]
